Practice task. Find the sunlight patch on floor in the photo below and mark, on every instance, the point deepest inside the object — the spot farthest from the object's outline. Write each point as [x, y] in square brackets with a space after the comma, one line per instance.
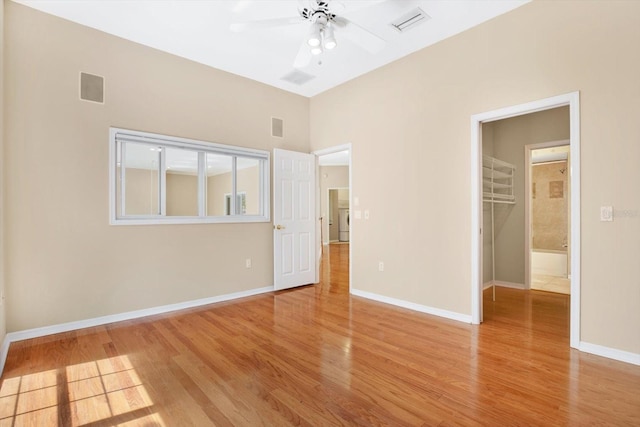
[107, 390]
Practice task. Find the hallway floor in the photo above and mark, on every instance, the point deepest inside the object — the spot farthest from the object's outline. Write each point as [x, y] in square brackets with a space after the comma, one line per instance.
[542, 282]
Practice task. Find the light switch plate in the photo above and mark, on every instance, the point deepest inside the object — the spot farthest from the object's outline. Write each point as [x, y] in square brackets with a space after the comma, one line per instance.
[606, 213]
[366, 214]
[357, 214]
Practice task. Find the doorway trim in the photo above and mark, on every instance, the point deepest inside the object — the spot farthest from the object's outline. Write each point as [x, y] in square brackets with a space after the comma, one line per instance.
[528, 217]
[573, 101]
[318, 153]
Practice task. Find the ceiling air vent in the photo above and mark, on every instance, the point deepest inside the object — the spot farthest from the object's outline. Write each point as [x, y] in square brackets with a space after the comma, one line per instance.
[410, 20]
[298, 77]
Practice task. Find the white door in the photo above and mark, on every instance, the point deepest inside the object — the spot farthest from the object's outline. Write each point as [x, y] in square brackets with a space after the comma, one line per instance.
[294, 233]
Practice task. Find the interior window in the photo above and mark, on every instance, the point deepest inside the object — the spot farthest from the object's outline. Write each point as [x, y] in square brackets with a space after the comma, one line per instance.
[159, 179]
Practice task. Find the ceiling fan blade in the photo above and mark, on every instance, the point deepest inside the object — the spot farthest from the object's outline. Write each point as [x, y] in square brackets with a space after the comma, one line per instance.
[359, 35]
[238, 27]
[303, 58]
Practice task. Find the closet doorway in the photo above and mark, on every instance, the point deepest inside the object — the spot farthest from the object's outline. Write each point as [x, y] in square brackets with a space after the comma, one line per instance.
[490, 137]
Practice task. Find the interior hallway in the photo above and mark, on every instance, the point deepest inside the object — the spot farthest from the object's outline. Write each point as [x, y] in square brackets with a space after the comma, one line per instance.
[316, 356]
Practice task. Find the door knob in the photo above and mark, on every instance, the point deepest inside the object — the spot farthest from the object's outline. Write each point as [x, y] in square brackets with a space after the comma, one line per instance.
[279, 227]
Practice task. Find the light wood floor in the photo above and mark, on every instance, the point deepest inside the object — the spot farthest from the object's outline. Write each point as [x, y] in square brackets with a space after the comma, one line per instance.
[315, 356]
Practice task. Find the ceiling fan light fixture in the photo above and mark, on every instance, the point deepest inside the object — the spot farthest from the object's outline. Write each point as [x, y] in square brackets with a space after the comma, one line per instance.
[328, 38]
[314, 39]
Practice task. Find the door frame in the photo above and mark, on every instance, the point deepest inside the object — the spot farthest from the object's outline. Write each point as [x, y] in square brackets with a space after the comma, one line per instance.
[571, 99]
[528, 202]
[319, 153]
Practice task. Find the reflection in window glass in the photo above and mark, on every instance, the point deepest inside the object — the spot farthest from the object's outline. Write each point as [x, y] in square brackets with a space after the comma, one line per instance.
[219, 183]
[248, 185]
[142, 187]
[181, 182]
[241, 204]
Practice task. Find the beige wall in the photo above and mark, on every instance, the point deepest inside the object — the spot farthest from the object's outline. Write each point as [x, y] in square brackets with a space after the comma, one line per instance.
[412, 117]
[141, 192]
[333, 217]
[550, 206]
[3, 329]
[331, 177]
[509, 137]
[182, 194]
[65, 263]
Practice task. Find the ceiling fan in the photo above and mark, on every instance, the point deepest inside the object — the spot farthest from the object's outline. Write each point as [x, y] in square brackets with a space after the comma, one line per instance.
[324, 23]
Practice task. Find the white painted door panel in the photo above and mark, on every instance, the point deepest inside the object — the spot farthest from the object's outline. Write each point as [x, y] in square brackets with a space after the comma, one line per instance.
[294, 231]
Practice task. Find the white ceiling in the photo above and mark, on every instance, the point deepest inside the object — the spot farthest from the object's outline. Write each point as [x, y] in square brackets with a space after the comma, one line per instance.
[341, 158]
[200, 30]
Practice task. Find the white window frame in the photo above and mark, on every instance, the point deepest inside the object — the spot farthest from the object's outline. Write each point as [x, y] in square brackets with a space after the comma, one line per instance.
[117, 135]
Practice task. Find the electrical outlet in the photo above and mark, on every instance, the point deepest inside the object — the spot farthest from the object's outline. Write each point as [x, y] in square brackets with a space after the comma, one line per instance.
[366, 214]
[247, 263]
[380, 266]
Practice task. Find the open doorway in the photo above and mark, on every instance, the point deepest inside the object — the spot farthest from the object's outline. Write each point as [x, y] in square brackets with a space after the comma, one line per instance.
[334, 202]
[548, 224]
[337, 213]
[478, 123]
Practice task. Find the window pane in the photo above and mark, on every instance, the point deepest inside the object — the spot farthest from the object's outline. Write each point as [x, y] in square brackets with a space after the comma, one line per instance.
[159, 179]
[142, 187]
[248, 186]
[181, 182]
[219, 184]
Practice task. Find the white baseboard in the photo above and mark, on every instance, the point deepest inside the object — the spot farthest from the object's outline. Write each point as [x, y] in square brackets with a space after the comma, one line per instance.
[97, 321]
[511, 285]
[413, 306]
[487, 285]
[611, 353]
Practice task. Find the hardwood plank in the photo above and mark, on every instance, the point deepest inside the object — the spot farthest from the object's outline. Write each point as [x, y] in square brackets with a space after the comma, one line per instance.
[318, 356]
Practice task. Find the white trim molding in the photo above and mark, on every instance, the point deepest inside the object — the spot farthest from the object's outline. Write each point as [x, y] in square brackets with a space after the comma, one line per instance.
[12, 337]
[413, 306]
[610, 353]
